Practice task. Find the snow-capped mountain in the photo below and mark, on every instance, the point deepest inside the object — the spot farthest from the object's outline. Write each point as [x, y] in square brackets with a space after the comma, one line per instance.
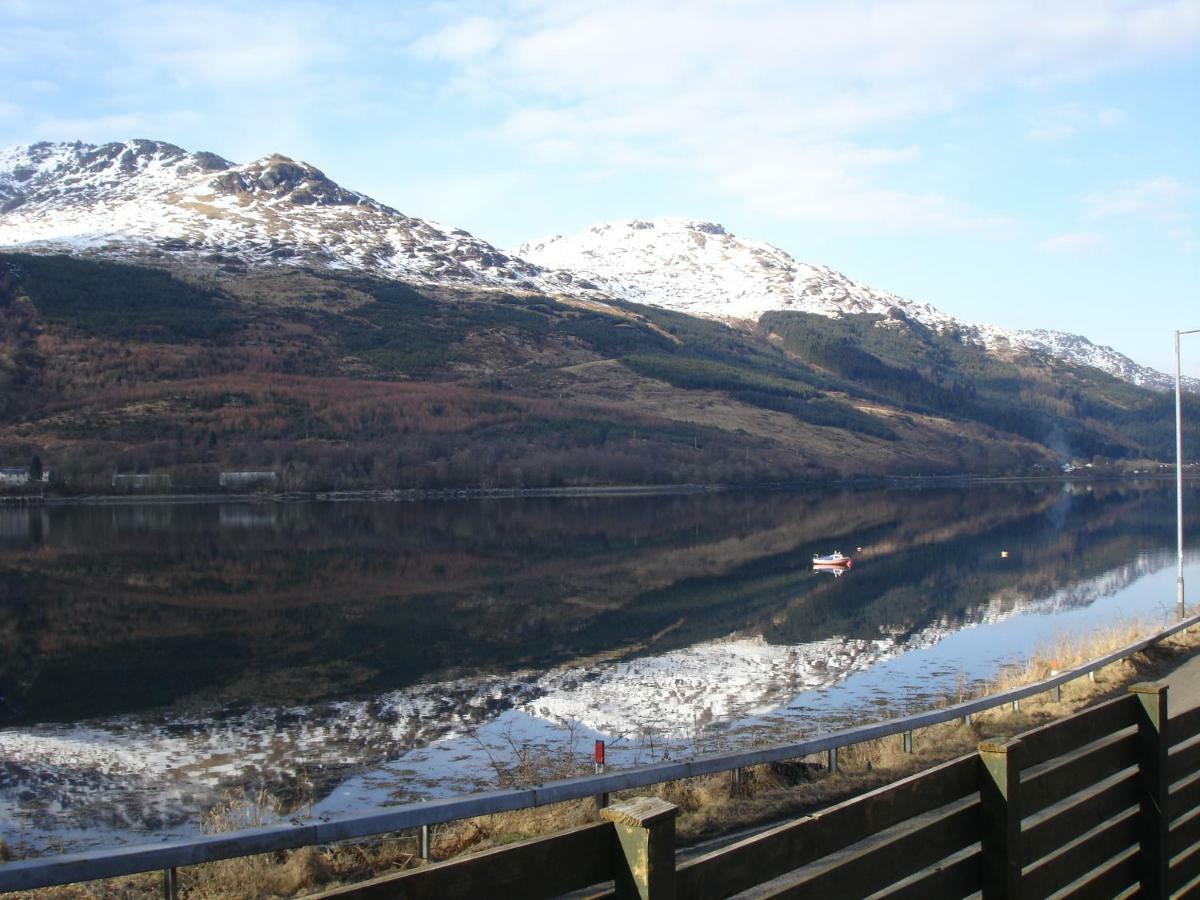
[148, 198]
[150, 201]
[699, 268]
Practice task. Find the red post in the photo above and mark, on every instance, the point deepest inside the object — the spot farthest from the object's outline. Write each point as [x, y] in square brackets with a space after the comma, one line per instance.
[602, 799]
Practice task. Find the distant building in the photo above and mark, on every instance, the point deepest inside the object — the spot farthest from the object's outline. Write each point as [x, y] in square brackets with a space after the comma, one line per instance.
[132, 482]
[248, 479]
[19, 475]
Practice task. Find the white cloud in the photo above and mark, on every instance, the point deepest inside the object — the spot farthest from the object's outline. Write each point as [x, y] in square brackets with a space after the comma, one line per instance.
[1071, 243]
[202, 44]
[780, 104]
[460, 41]
[1163, 199]
[1066, 120]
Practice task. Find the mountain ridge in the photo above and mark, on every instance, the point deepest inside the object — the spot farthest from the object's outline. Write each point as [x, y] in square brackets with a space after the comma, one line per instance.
[151, 201]
[699, 267]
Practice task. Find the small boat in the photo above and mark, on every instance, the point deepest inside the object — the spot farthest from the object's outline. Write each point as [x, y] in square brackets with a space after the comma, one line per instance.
[831, 559]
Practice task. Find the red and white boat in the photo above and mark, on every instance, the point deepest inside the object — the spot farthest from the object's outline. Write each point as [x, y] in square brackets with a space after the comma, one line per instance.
[831, 559]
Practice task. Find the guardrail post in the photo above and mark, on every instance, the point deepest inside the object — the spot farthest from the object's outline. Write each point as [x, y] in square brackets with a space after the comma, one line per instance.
[831, 760]
[908, 742]
[426, 844]
[1155, 853]
[170, 884]
[644, 867]
[999, 793]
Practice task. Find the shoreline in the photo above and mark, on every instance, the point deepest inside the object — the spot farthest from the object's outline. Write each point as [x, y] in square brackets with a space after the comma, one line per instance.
[409, 495]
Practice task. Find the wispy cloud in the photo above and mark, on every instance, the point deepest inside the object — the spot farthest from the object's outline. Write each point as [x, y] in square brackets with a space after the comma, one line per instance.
[226, 76]
[1072, 243]
[780, 104]
[1067, 120]
[461, 41]
[1163, 199]
[209, 44]
[1167, 202]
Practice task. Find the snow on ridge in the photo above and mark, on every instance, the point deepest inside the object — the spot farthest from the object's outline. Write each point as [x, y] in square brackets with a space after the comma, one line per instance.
[151, 201]
[698, 267]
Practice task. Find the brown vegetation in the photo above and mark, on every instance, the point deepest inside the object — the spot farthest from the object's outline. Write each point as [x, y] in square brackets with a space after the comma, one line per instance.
[343, 383]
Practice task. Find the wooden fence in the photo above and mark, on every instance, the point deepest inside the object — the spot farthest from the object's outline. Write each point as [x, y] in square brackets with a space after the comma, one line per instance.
[166, 856]
[1101, 804]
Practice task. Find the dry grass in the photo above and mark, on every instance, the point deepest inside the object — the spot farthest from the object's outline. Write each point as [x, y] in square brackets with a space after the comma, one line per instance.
[708, 805]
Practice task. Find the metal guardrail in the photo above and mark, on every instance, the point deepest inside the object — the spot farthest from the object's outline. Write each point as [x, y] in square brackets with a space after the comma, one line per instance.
[88, 866]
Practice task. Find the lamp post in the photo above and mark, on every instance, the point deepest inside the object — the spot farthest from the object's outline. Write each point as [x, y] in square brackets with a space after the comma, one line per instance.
[1179, 467]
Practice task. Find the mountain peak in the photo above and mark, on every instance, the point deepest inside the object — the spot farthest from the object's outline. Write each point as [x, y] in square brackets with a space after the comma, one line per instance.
[663, 224]
[278, 177]
[698, 267]
[62, 174]
[154, 201]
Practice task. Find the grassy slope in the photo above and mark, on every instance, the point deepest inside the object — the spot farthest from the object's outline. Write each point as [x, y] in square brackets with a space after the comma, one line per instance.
[343, 381]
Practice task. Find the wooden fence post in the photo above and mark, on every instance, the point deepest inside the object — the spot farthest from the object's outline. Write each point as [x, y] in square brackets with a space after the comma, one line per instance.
[645, 863]
[1155, 853]
[999, 794]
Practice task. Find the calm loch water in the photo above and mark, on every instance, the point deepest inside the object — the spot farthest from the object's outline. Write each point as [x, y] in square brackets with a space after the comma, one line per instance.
[153, 656]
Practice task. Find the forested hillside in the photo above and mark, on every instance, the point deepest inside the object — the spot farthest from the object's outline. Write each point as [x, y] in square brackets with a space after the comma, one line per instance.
[348, 381]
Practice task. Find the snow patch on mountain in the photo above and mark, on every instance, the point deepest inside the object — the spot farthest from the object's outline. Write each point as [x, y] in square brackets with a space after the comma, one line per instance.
[699, 268]
[148, 199]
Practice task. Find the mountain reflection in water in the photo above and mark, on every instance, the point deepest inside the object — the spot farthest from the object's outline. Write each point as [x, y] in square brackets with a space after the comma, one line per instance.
[184, 648]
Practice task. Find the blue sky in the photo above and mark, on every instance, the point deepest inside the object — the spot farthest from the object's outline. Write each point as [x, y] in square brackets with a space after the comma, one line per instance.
[1026, 164]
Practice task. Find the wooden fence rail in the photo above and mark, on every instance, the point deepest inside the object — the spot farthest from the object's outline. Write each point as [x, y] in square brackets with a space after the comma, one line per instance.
[1046, 790]
[1095, 805]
